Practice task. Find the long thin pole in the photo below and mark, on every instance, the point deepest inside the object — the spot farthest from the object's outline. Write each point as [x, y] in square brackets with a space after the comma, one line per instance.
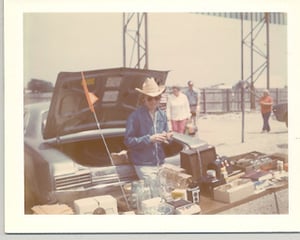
[124, 39]
[268, 50]
[84, 85]
[242, 77]
[146, 42]
[252, 97]
[138, 34]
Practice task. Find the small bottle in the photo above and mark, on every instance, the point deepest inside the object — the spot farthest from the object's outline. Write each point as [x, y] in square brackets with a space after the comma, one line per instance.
[224, 173]
[280, 166]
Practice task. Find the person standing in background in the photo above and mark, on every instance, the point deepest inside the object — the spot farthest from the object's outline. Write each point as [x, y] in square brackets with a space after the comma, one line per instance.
[266, 103]
[178, 110]
[193, 98]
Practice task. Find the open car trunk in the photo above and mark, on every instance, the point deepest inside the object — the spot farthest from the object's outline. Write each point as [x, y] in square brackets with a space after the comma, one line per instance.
[96, 174]
[93, 153]
[95, 167]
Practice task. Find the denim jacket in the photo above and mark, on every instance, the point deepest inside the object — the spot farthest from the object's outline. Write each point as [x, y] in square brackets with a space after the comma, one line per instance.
[140, 127]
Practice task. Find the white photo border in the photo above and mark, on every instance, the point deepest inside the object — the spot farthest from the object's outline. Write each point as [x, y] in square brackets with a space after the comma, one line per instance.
[17, 222]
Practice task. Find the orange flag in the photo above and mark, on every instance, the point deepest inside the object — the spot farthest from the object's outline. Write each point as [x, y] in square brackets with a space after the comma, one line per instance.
[90, 97]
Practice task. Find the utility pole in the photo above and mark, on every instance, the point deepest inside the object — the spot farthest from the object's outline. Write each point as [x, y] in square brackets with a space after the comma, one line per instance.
[242, 78]
[252, 88]
[268, 49]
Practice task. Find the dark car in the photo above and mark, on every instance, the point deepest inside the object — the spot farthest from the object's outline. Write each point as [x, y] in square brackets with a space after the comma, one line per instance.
[65, 152]
[38, 85]
[280, 112]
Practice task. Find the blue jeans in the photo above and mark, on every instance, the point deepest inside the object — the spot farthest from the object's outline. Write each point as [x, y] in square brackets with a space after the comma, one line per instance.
[147, 171]
[266, 125]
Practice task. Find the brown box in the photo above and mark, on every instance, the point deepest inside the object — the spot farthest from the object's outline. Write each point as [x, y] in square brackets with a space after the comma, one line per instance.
[254, 160]
[245, 161]
[196, 161]
[234, 191]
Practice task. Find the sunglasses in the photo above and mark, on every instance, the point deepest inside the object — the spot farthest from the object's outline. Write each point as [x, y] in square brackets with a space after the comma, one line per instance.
[149, 99]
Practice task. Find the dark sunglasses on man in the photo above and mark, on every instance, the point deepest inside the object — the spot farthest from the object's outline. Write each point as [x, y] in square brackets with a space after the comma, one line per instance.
[153, 98]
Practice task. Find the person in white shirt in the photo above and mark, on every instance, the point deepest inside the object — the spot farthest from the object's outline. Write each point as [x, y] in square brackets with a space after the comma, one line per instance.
[178, 110]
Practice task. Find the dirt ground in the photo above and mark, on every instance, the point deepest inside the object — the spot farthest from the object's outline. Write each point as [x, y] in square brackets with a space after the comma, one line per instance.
[224, 131]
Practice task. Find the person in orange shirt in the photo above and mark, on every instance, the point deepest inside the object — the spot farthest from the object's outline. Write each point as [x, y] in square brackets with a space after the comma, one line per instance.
[266, 103]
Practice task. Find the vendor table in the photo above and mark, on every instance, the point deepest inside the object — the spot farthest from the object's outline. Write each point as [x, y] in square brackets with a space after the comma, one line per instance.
[210, 206]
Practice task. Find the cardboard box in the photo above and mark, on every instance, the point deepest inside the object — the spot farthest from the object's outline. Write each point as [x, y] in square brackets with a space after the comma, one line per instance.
[234, 191]
[89, 205]
[52, 209]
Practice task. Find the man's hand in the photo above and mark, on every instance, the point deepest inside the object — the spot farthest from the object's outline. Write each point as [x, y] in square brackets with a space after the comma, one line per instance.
[161, 137]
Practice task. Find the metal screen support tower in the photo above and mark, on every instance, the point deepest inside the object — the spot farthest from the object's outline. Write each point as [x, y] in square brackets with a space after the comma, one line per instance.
[265, 65]
[135, 42]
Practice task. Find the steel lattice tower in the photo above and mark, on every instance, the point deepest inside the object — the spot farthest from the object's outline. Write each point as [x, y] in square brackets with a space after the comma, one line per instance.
[135, 43]
[248, 40]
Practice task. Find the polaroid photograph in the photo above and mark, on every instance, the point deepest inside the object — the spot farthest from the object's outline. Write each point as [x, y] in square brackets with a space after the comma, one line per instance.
[162, 118]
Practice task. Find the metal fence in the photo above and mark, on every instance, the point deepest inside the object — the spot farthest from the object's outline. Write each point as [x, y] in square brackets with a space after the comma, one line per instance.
[212, 100]
[228, 100]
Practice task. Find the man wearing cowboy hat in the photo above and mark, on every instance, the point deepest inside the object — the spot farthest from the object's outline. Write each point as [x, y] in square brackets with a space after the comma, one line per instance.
[147, 130]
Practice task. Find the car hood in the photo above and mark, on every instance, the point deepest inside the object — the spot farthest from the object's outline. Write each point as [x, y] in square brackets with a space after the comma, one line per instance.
[69, 111]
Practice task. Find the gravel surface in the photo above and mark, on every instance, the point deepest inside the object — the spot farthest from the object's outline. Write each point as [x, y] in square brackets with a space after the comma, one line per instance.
[224, 131]
[263, 205]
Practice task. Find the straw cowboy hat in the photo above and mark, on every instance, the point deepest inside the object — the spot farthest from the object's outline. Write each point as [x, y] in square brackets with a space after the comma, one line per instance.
[150, 88]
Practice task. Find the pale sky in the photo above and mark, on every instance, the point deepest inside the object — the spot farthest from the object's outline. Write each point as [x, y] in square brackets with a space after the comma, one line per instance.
[204, 49]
